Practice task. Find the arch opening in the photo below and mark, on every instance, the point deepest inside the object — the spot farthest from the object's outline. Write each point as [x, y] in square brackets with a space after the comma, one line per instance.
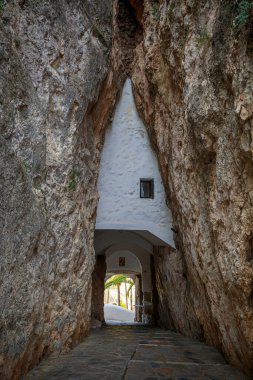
[125, 267]
[119, 299]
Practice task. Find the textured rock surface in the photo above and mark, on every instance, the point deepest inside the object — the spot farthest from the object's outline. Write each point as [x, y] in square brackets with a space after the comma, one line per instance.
[54, 59]
[193, 85]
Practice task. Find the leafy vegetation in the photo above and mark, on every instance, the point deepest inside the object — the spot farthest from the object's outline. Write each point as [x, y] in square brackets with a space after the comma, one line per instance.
[118, 279]
[245, 8]
[1, 5]
[26, 167]
[73, 179]
[156, 10]
[98, 34]
[203, 39]
[171, 11]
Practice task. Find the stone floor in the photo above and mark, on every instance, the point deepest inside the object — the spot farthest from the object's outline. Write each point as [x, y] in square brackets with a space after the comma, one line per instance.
[136, 353]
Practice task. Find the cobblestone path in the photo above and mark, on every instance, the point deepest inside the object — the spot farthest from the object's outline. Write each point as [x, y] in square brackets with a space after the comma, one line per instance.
[136, 353]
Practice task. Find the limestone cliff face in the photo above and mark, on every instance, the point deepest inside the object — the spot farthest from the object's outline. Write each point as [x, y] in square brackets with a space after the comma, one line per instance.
[54, 59]
[61, 66]
[193, 84]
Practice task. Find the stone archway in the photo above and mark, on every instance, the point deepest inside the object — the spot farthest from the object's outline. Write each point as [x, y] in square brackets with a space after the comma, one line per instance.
[110, 246]
[123, 261]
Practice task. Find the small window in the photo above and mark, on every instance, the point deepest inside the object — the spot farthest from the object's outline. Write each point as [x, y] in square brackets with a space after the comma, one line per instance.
[146, 188]
[122, 261]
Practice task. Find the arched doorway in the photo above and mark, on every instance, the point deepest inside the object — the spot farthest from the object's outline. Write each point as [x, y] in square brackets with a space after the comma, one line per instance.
[119, 299]
[124, 271]
[128, 253]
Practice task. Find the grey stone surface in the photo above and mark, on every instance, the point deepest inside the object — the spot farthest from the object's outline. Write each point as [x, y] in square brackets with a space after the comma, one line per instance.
[137, 353]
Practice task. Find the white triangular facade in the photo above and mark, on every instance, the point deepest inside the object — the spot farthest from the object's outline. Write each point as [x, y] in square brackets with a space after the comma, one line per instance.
[126, 158]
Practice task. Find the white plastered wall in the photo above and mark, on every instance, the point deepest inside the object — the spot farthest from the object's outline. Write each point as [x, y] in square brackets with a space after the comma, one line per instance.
[126, 157]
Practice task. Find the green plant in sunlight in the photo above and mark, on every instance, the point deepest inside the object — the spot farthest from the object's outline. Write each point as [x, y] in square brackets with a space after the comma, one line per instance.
[118, 279]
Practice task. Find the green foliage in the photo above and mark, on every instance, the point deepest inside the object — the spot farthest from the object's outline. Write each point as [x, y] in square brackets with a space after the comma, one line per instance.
[98, 34]
[245, 8]
[117, 279]
[123, 304]
[1, 5]
[203, 39]
[171, 11]
[73, 179]
[156, 10]
[26, 167]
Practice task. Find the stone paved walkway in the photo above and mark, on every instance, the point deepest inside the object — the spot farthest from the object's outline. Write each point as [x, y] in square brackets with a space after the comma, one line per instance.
[136, 353]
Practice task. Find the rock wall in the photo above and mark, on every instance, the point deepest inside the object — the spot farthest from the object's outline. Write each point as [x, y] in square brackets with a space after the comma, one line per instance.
[54, 59]
[193, 86]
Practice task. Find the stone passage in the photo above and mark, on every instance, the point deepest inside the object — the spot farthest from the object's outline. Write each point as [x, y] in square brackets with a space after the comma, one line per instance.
[136, 353]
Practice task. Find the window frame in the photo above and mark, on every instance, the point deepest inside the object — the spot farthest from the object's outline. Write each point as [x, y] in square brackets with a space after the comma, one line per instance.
[152, 187]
